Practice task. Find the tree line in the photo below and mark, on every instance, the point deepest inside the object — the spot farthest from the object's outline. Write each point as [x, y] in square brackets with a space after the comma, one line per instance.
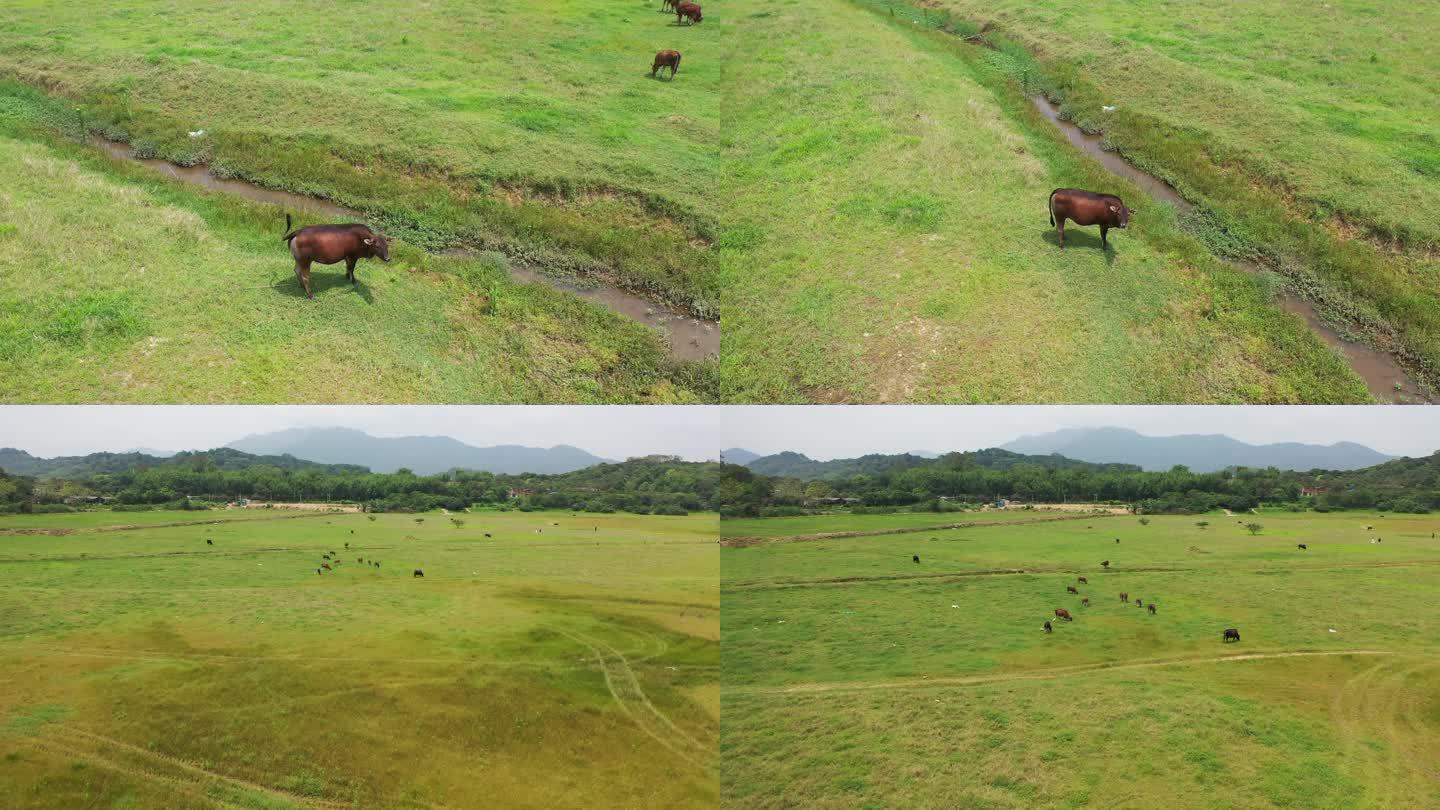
[959, 479]
[651, 485]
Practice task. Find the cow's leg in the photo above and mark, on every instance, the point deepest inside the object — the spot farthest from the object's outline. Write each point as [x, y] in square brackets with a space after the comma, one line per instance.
[350, 270]
[1060, 228]
[1103, 231]
[302, 271]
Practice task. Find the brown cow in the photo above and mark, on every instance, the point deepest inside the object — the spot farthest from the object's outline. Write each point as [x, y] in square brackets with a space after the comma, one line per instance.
[1071, 589]
[670, 59]
[1085, 601]
[1087, 208]
[687, 11]
[326, 566]
[1151, 608]
[328, 244]
[1083, 580]
[1062, 613]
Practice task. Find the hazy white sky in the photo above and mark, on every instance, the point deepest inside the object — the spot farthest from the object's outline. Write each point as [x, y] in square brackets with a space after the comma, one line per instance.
[844, 431]
[700, 432]
[611, 432]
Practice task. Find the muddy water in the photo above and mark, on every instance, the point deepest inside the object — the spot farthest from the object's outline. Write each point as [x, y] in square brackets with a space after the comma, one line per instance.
[1385, 378]
[689, 338]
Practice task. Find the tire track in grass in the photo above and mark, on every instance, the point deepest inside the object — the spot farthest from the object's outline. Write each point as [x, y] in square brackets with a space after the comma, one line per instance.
[625, 688]
[1038, 674]
[85, 743]
[155, 655]
[1377, 702]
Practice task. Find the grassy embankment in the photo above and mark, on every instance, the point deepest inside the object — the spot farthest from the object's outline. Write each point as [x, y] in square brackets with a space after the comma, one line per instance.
[890, 242]
[532, 133]
[1306, 136]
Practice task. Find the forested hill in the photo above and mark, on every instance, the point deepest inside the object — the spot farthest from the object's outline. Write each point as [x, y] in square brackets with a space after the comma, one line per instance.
[1402, 485]
[797, 465]
[19, 462]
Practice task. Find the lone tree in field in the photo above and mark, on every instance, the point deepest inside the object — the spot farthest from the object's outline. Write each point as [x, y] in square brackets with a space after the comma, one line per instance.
[1254, 527]
[458, 522]
[1202, 523]
[1144, 521]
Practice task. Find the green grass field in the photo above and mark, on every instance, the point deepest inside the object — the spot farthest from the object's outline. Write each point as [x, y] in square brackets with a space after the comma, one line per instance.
[854, 677]
[890, 241]
[1308, 129]
[533, 133]
[566, 661]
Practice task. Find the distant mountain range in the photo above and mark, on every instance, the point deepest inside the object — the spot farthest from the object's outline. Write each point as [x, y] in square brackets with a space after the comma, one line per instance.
[1078, 446]
[19, 462]
[423, 455]
[1201, 453]
[737, 455]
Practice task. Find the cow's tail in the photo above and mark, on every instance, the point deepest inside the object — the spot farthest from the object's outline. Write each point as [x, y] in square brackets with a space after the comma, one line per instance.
[289, 234]
[1050, 207]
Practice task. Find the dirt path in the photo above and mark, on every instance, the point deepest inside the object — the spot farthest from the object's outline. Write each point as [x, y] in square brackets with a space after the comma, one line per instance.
[765, 585]
[1040, 674]
[747, 541]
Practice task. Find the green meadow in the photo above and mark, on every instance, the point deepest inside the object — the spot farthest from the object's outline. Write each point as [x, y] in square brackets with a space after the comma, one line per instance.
[890, 240]
[562, 661]
[532, 134]
[1307, 132]
[857, 678]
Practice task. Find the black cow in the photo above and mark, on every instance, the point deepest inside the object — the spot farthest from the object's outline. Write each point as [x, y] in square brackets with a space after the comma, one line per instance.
[317, 570]
[326, 566]
[487, 534]
[328, 244]
[209, 542]
[1087, 208]
[1303, 547]
[1104, 563]
[1151, 608]
[1048, 628]
[418, 573]
[915, 557]
[1231, 634]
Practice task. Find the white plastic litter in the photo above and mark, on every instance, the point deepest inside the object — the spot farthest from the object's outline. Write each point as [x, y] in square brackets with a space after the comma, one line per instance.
[1332, 629]
[1107, 108]
[197, 133]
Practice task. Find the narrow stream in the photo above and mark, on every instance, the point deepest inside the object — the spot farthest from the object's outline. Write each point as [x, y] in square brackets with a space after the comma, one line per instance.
[689, 338]
[1386, 379]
